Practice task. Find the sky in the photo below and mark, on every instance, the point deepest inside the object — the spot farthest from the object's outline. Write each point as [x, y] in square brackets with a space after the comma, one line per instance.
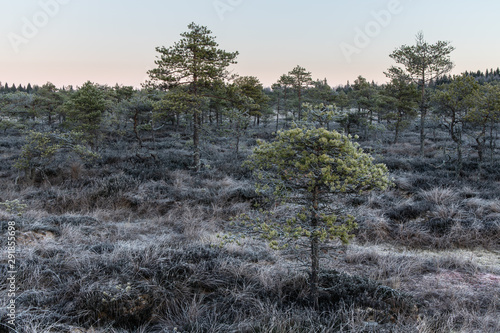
[69, 42]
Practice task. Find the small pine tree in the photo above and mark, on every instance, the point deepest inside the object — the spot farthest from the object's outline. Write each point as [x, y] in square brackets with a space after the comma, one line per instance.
[300, 80]
[453, 102]
[85, 112]
[312, 168]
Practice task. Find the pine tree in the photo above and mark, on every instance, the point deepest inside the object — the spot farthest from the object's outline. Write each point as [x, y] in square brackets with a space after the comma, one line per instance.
[47, 101]
[454, 101]
[195, 62]
[401, 100]
[312, 168]
[85, 110]
[422, 64]
[301, 80]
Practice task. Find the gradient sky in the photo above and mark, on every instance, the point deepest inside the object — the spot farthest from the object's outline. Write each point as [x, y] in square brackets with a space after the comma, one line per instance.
[113, 41]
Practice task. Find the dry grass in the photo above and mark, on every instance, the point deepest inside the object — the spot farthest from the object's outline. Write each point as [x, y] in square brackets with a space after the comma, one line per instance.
[129, 245]
[439, 195]
[464, 292]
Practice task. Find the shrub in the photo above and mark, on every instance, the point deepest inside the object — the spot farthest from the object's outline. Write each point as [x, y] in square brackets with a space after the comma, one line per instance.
[409, 211]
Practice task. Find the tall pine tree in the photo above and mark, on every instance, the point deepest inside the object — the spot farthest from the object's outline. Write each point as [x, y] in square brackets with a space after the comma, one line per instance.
[196, 62]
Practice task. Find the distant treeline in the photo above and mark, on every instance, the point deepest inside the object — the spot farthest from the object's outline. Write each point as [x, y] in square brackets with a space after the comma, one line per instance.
[490, 75]
[6, 88]
[481, 77]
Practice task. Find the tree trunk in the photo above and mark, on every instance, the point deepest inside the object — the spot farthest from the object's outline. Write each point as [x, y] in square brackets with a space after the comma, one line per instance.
[153, 136]
[285, 111]
[456, 136]
[422, 116]
[300, 104]
[238, 131]
[196, 140]
[480, 144]
[314, 272]
[278, 114]
[492, 143]
[136, 122]
[422, 131]
[314, 284]
[196, 127]
[30, 176]
[398, 123]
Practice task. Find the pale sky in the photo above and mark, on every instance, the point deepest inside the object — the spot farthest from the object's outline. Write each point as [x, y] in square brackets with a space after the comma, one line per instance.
[69, 42]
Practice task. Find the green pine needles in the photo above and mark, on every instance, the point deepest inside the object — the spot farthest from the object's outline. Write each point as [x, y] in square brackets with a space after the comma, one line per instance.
[315, 161]
[311, 169]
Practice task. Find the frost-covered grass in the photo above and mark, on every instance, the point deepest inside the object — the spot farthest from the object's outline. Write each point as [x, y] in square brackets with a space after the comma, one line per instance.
[129, 244]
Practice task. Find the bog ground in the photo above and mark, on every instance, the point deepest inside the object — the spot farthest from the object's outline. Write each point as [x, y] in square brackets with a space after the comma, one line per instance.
[129, 244]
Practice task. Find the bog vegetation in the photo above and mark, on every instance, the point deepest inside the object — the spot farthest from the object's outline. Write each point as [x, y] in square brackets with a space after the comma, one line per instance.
[205, 202]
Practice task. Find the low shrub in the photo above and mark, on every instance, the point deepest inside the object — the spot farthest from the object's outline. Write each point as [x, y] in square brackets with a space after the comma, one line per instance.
[409, 211]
